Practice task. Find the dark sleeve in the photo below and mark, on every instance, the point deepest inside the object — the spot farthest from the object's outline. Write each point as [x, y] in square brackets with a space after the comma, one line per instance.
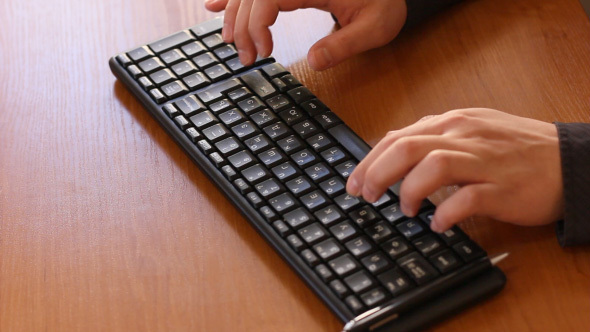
[574, 146]
[418, 10]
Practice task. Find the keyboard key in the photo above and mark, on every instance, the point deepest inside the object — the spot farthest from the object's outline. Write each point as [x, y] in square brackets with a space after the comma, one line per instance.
[235, 65]
[468, 250]
[268, 213]
[343, 265]
[310, 257]
[213, 41]
[445, 261]
[194, 48]
[354, 304]
[255, 173]
[319, 142]
[174, 89]
[333, 186]
[396, 247]
[150, 65]
[393, 213]
[453, 235]
[298, 245]
[281, 228]
[360, 246]
[313, 233]
[347, 202]
[157, 95]
[428, 244]
[410, 228]
[171, 41]
[229, 172]
[255, 200]
[124, 60]
[134, 71]
[417, 268]
[203, 119]
[269, 188]
[339, 288]
[217, 159]
[228, 146]
[140, 53]
[291, 81]
[285, 171]
[374, 297]
[324, 272]
[278, 103]
[257, 83]
[172, 57]
[205, 60]
[277, 131]
[314, 200]
[193, 134]
[299, 185]
[300, 94]
[298, 218]
[231, 117]
[239, 94]
[242, 186]
[184, 68]
[359, 282]
[380, 231]
[208, 27]
[271, 157]
[162, 77]
[376, 262]
[205, 146]
[145, 83]
[395, 281]
[217, 72]
[242, 159]
[215, 92]
[344, 231]
[278, 83]
[329, 215]
[327, 120]
[333, 155]
[170, 110]
[263, 117]
[346, 168]
[182, 122]
[318, 172]
[328, 249]
[305, 128]
[386, 198]
[250, 104]
[225, 52]
[274, 69]
[220, 106]
[303, 157]
[364, 216]
[257, 143]
[283, 202]
[292, 115]
[189, 106]
[245, 130]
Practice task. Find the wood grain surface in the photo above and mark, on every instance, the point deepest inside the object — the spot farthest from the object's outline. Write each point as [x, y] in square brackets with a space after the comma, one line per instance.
[106, 225]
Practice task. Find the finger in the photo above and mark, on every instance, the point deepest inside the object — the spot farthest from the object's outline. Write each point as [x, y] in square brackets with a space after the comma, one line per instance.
[215, 5]
[346, 42]
[397, 161]
[244, 44]
[470, 200]
[424, 127]
[263, 15]
[439, 168]
[229, 20]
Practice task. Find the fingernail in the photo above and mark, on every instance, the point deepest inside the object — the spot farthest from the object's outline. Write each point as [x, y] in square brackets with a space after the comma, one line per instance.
[353, 187]
[320, 59]
[369, 195]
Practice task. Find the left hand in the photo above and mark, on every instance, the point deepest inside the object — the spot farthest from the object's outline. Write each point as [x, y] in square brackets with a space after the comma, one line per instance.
[508, 167]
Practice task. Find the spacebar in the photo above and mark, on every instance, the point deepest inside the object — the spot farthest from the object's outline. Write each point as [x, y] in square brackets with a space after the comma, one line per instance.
[350, 140]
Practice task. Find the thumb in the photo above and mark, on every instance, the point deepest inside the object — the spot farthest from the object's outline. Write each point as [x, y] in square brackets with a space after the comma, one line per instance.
[356, 37]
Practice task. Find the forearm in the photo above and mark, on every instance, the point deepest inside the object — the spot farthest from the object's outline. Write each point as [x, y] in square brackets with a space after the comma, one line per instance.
[574, 145]
[418, 10]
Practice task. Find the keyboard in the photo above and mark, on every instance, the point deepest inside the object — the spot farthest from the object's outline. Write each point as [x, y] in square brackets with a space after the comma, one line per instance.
[282, 158]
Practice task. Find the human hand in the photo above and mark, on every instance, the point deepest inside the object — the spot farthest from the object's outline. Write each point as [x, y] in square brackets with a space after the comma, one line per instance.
[365, 25]
[508, 167]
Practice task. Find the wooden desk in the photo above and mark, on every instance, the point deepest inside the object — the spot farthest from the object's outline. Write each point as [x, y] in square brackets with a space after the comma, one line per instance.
[106, 225]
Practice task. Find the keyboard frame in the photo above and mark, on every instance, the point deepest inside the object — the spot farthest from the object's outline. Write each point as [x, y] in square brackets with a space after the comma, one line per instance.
[471, 291]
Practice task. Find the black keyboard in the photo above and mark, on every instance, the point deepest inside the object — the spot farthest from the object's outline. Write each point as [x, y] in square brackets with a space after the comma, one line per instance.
[282, 158]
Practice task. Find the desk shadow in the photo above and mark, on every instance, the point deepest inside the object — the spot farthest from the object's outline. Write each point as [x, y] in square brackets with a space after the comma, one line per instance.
[166, 143]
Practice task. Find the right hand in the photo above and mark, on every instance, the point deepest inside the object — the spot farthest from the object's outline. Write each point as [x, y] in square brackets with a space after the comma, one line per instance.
[366, 24]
